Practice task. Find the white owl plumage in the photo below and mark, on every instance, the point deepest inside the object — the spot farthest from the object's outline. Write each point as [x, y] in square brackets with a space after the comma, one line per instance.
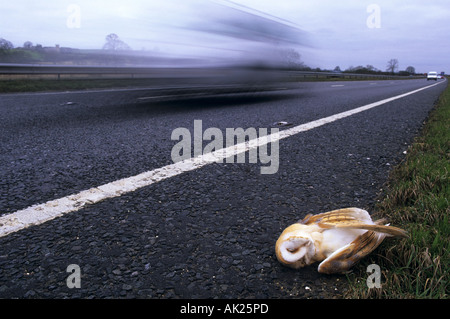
[337, 239]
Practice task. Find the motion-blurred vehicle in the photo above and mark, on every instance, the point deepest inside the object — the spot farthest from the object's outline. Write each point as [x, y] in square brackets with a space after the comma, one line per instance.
[432, 76]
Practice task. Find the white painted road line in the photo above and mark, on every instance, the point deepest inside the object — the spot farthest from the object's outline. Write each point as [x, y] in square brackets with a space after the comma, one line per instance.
[337, 85]
[153, 97]
[41, 213]
[169, 96]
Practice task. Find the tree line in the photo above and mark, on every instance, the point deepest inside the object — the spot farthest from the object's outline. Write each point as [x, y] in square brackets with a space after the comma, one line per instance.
[113, 43]
[392, 67]
[112, 52]
[114, 46]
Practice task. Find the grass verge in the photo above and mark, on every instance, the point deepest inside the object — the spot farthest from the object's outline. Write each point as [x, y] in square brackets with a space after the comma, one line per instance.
[417, 200]
[43, 85]
[63, 85]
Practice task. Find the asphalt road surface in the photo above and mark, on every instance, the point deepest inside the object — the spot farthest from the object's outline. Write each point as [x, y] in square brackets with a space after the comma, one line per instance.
[204, 233]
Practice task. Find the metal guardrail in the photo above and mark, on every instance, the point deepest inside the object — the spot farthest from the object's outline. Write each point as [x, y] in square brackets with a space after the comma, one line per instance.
[11, 72]
[344, 75]
[25, 71]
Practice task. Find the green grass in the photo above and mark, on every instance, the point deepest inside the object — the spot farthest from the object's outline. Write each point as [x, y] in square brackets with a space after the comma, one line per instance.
[417, 200]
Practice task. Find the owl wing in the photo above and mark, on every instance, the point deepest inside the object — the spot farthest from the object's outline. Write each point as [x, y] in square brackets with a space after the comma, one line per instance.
[340, 216]
[346, 257]
[351, 218]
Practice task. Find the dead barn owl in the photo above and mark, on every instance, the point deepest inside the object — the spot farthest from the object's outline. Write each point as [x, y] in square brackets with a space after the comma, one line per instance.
[337, 239]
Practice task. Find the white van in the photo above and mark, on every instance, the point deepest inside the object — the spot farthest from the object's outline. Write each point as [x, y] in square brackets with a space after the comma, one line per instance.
[432, 76]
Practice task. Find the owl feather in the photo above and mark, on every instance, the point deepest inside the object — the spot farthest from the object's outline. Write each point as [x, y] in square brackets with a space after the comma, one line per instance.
[337, 239]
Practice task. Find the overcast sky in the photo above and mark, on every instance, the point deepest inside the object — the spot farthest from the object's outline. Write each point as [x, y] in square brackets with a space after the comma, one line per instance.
[336, 33]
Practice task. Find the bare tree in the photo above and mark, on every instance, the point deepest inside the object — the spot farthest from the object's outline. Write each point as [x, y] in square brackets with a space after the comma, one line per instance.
[28, 45]
[292, 59]
[5, 44]
[392, 65]
[371, 68]
[113, 43]
[411, 70]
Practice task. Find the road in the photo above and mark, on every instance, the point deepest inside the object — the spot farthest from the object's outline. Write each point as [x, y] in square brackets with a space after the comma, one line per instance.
[203, 233]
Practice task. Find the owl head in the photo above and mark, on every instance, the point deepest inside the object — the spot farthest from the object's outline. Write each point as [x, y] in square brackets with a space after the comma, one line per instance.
[295, 246]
